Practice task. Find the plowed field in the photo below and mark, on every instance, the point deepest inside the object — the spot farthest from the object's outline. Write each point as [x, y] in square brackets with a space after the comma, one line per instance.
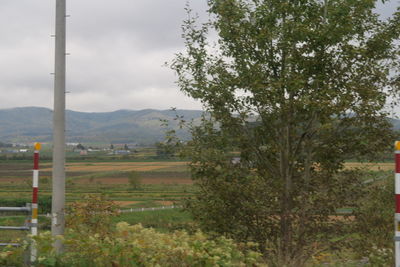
[120, 166]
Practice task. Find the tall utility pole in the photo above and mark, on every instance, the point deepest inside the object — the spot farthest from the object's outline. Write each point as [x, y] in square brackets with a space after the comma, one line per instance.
[58, 195]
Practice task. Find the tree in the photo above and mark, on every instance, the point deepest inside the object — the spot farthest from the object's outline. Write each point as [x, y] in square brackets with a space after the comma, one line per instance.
[111, 146]
[171, 144]
[80, 147]
[164, 150]
[295, 87]
[134, 180]
[374, 221]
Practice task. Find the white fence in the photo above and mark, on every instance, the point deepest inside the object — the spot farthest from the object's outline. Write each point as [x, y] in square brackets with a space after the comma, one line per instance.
[150, 209]
[137, 209]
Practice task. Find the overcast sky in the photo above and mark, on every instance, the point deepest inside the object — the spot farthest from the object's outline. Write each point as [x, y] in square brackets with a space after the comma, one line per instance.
[117, 47]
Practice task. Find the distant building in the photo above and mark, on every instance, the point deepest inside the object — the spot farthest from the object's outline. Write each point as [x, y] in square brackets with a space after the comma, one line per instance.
[93, 150]
[235, 160]
[72, 144]
[132, 145]
[122, 152]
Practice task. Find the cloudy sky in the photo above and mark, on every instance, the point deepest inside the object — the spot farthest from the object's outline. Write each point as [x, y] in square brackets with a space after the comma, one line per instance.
[117, 47]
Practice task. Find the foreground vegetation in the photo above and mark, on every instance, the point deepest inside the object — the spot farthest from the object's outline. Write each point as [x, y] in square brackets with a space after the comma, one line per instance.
[295, 88]
[131, 238]
[172, 237]
[93, 240]
[292, 90]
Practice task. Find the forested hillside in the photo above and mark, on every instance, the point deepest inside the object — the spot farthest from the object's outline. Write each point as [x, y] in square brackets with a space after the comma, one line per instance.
[142, 126]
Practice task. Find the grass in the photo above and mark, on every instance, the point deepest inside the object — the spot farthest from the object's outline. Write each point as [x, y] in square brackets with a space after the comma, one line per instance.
[155, 191]
[15, 183]
[162, 220]
[16, 174]
[12, 236]
[149, 195]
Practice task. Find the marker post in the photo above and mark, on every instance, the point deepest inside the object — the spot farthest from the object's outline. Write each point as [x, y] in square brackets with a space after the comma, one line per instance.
[35, 190]
[397, 200]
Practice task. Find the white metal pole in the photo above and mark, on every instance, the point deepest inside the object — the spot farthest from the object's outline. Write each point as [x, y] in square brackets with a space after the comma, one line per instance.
[58, 195]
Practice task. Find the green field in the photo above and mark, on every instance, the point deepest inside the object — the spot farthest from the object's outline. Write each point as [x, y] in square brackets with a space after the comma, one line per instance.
[161, 183]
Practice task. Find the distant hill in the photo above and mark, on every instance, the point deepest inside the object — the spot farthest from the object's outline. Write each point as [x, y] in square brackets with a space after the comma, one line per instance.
[122, 126]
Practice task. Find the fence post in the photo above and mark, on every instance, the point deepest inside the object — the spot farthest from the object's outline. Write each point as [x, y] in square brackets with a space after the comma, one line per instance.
[35, 189]
[397, 200]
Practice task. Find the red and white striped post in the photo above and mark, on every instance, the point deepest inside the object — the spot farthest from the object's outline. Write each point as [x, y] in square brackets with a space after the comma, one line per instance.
[397, 199]
[35, 189]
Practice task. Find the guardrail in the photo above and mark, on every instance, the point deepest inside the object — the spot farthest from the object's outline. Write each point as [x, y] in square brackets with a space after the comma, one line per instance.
[9, 244]
[31, 208]
[48, 215]
[150, 209]
[27, 208]
[25, 227]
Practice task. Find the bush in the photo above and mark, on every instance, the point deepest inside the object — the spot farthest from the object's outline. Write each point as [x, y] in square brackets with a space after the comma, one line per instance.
[91, 240]
[44, 203]
[133, 245]
[134, 179]
[373, 229]
[92, 215]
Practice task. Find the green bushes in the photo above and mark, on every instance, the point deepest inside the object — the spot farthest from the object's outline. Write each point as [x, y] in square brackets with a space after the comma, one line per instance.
[93, 240]
[373, 228]
[44, 203]
[133, 245]
[134, 180]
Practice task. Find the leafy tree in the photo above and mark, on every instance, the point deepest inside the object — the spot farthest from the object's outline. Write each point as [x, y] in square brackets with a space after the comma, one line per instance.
[170, 145]
[80, 146]
[295, 87]
[111, 146]
[373, 227]
[165, 150]
[93, 215]
[5, 145]
[134, 179]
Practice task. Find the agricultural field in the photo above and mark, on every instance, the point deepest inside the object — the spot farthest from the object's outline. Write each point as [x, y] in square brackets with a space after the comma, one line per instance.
[156, 184]
[370, 166]
[162, 182]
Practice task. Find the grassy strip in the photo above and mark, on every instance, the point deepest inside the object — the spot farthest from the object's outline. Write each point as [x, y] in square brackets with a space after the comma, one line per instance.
[162, 220]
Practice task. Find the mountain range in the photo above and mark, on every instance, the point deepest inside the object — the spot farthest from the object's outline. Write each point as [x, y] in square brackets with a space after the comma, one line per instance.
[29, 124]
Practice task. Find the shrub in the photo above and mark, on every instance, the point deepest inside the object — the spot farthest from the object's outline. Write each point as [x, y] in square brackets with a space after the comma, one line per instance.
[134, 245]
[92, 240]
[92, 215]
[134, 180]
[44, 203]
[373, 228]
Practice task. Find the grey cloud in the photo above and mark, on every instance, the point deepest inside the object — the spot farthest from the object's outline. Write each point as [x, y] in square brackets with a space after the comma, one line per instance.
[117, 51]
[153, 24]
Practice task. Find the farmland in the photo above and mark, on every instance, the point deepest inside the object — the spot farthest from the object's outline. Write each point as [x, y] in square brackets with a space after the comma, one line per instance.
[161, 183]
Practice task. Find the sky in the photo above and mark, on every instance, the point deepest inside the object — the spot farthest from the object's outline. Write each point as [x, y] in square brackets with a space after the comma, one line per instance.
[117, 53]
